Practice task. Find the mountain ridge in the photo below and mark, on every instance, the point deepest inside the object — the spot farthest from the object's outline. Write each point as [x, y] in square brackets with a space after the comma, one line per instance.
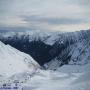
[44, 47]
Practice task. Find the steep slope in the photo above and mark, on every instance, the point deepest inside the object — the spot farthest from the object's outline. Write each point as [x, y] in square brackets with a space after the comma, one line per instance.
[45, 46]
[75, 54]
[69, 50]
[12, 61]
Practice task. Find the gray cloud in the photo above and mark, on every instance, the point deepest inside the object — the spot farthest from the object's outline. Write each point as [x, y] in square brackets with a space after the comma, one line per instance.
[5, 7]
[84, 2]
[80, 2]
[85, 6]
[38, 14]
[4, 28]
[50, 20]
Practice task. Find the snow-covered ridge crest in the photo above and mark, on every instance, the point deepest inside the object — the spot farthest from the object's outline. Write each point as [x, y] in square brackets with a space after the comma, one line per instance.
[12, 61]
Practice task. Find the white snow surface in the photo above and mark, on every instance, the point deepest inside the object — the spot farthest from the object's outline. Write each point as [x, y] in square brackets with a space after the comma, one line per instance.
[12, 61]
[67, 78]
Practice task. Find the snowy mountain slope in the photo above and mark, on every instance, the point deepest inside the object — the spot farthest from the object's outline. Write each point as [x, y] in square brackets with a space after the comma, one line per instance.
[30, 35]
[71, 50]
[70, 77]
[47, 46]
[75, 54]
[12, 61]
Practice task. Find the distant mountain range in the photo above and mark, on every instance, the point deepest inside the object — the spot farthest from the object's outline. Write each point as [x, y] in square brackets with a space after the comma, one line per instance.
[51, 49]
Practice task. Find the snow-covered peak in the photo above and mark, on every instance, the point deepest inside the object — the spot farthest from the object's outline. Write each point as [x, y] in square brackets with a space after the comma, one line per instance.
[12, 61]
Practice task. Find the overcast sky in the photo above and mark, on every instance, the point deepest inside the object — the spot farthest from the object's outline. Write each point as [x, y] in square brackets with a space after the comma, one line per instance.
[53, 15]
